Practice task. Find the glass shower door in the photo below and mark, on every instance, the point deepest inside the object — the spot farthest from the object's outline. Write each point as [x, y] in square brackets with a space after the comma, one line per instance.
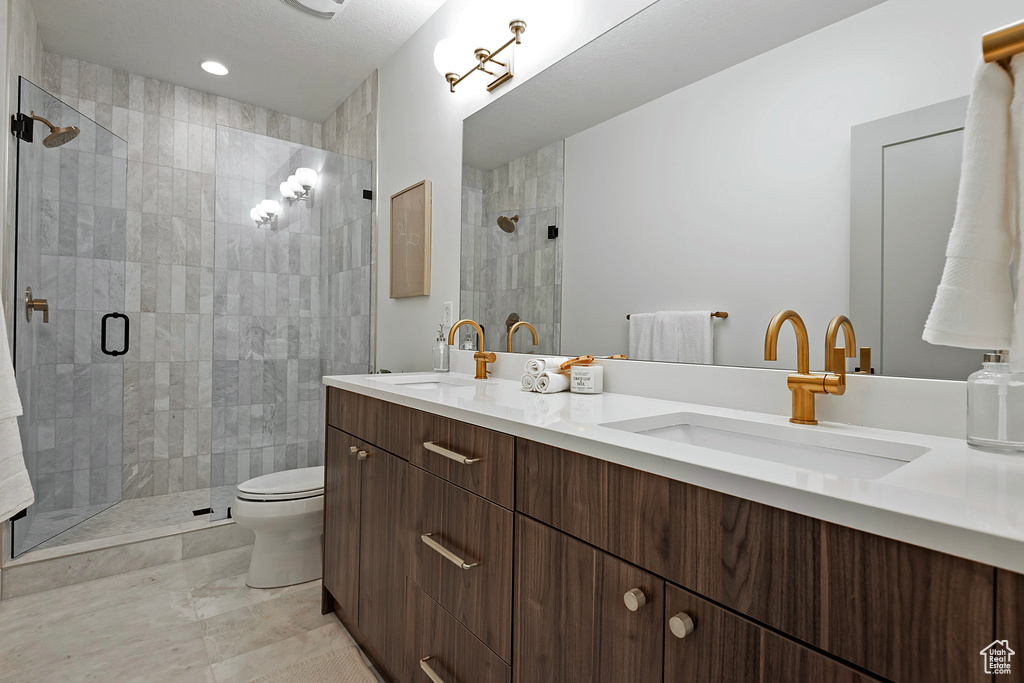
[69, 334]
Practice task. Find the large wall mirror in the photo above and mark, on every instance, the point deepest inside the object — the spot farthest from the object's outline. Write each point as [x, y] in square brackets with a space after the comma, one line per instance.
[708, 155]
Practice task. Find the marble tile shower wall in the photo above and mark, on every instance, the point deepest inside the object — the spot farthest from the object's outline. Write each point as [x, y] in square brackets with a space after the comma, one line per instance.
[267, 412]
[519, 272]
[170, 235]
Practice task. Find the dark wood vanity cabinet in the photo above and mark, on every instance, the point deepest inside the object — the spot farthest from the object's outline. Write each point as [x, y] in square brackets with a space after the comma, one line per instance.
[554, 540]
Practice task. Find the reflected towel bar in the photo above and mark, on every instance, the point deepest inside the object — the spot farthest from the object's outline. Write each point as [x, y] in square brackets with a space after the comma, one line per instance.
[716, 314]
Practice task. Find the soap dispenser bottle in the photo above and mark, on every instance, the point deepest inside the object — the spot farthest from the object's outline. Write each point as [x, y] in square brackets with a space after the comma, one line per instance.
[441, 352]
[995, 405]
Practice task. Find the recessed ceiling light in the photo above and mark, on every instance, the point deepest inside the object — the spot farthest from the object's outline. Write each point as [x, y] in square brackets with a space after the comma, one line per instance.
[215, 68]
[321, 9]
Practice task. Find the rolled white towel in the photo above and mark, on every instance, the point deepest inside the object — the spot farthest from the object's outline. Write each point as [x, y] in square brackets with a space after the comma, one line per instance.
[529, 382]
[552, 383]
[538, 366]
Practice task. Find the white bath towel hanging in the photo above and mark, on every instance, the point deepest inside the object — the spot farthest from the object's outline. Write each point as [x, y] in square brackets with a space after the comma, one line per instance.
[973, 305]
[683, 337]
[15, 486]
[641, 336]
[1017, 163]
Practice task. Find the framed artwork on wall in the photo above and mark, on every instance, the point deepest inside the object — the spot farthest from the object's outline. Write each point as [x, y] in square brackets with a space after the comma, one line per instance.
[410, 241]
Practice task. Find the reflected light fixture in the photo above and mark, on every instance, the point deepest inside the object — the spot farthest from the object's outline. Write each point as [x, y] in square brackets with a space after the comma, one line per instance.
[215, 68]
[265, 213]
[487, 61]
[299, 186]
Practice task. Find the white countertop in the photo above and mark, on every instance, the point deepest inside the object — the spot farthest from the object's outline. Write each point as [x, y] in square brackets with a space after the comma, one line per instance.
[953, 499]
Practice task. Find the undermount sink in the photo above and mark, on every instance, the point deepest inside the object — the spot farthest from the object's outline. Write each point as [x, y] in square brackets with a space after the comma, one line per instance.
[424, 380]
[807, 448]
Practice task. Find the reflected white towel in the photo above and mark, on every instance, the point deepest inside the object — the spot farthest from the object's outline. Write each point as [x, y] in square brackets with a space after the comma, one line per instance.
[552, 383]
[973, 305]
[1017, 126]
[529, 382]
[641, 336]
[537, 366]
[15, 485]
[683, 337]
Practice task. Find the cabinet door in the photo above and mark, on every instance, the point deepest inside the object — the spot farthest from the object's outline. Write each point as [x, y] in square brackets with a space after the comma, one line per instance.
[341, 523]
[381, 570]
[571, 622]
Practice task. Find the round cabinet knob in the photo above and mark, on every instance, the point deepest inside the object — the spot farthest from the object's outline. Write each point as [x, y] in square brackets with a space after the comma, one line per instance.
[353, 449]
[681, 625]
[362, 455]
[634, 599]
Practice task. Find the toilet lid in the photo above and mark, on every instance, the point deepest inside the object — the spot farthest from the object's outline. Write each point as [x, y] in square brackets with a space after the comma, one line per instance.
[301, 483]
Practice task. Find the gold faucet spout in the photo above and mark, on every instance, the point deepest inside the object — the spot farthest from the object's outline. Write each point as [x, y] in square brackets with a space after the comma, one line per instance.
[840, 322]
[521, 323]
[481, 357]
[771, 340]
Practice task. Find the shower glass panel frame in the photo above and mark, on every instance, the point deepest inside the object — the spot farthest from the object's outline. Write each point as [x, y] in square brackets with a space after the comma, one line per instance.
[70, 241]
[291, 303]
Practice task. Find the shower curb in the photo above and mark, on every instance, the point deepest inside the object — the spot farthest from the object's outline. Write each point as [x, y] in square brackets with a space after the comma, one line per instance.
[43, 570]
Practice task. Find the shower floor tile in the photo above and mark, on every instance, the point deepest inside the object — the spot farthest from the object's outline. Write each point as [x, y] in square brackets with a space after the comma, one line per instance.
[128, 516]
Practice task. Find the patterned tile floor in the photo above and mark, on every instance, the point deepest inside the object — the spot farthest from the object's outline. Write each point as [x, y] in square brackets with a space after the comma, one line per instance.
[127, 516]
[194, 620]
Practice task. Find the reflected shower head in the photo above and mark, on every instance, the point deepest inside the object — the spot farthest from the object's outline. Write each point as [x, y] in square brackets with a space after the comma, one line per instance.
[57, 136]
[508, 224]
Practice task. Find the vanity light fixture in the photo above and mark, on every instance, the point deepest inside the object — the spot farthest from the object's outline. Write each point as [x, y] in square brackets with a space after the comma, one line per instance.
[299, 186]
[265, 213]
[502, 71]
[215, 68]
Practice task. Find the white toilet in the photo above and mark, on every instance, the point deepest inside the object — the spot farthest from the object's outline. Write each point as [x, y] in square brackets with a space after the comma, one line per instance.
[285, 510]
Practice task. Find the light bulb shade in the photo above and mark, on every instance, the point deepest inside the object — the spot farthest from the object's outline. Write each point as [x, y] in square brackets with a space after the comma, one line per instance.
[295, 185]
[307, 177]
[449, 54]
[271, 207]
[257, 215]
[286, 190]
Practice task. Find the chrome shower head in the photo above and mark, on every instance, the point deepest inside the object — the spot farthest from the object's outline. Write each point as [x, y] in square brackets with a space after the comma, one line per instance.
[57, 136]
[508, 224]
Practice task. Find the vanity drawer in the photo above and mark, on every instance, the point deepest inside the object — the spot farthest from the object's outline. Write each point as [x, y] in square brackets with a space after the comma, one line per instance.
[361, 416]
[477, 459]
[455, 654]
[460, 553]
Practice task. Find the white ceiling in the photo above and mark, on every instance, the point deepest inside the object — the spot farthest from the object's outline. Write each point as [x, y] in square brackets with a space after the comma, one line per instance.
[667, 46]
[280, 58]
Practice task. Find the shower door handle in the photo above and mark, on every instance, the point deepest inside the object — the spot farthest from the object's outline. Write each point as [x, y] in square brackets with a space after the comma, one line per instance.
[103, 334]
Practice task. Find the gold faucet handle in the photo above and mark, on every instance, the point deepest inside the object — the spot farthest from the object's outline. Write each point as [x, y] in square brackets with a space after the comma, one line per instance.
[865, 361]
[835, 380]
[488, 357]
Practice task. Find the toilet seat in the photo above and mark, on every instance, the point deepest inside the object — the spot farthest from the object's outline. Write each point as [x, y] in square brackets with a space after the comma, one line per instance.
[299, 484]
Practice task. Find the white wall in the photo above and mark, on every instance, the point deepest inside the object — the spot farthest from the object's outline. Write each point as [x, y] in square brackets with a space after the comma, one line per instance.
[421, 137]
[734, 192]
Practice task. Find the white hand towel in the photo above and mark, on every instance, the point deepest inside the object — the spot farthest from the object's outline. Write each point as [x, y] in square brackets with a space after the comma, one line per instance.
[15, 485]
[552, 383]
[1017, 161]
[538, 366]
[529, 382]
[641, 336]
[973, 305]
[683, 337]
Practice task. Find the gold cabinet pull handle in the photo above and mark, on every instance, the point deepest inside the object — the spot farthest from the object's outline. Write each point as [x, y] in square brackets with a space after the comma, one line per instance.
[431, 674]
[445, 553]
[441, 450]
[634, 599]
[681, 625]
[362, 455]
[353, 449]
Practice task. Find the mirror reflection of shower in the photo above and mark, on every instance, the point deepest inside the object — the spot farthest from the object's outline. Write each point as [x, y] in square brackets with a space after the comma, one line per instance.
[508, 224]
[57, 136]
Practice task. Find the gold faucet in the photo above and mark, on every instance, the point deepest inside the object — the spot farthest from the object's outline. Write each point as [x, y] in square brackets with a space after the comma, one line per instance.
[835, 356]
[515, 327]
[802, 383]
[481, 357]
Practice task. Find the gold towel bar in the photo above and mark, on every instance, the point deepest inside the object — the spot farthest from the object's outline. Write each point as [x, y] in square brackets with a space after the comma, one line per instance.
[716, 314]
[1003, 43]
